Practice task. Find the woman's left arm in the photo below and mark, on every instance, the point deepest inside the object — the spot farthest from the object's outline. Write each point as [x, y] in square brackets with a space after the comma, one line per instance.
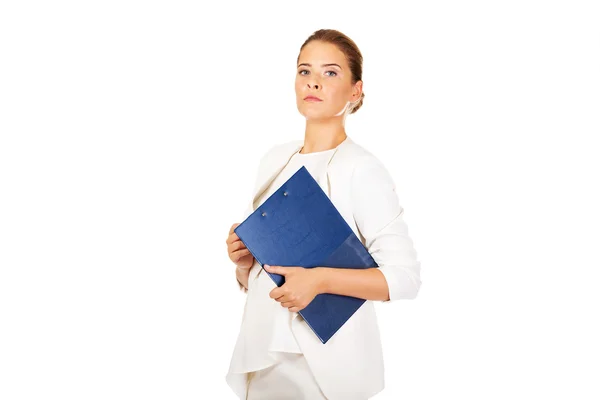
[369, 284]
[379, 217]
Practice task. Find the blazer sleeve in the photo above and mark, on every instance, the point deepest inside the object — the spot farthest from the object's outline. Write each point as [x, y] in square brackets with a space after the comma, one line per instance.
[379, 218]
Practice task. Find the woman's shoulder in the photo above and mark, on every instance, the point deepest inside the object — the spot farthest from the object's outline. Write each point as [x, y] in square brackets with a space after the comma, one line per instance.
[365, 166]
[360, 157]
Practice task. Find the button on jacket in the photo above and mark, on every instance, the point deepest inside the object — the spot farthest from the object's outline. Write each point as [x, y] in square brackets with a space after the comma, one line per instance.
[350, 365]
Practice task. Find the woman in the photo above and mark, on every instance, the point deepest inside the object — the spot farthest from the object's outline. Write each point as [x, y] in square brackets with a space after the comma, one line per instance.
[277, 356]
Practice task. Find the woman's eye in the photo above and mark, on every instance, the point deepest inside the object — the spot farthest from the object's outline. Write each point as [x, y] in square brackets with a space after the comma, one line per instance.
[303, 70]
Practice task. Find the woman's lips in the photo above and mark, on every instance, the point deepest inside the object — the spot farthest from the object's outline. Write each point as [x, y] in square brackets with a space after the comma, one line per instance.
[312, 99]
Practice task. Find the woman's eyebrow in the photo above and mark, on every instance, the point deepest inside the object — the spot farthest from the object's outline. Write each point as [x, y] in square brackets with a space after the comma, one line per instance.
[322, 65]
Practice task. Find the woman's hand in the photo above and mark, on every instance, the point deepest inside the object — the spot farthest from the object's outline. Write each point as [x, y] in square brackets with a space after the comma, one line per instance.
[238, 253]
[301, 286]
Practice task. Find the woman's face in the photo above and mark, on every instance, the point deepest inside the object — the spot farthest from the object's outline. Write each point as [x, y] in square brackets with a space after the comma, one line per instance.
[324, 73]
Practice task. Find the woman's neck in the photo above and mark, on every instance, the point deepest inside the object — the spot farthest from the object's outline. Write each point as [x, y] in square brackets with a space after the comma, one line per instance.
[323, 135]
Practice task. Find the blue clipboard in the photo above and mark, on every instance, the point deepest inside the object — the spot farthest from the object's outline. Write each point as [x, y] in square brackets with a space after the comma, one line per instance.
[298, 225]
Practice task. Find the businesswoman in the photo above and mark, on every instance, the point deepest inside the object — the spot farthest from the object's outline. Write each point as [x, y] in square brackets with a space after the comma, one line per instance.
[277, 356]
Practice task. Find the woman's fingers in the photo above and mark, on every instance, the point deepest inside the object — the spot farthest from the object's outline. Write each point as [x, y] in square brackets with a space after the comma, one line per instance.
[284, 298]
[236, 255]
[290, 306]
[236, 249]
[236, 246]
[233, 227]
[232, 238]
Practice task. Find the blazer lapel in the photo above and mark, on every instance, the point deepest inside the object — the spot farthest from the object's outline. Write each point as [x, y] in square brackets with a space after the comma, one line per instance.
[339, 151]
[279, 163]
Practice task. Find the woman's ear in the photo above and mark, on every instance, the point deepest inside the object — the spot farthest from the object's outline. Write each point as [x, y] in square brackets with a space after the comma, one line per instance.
[356, 91]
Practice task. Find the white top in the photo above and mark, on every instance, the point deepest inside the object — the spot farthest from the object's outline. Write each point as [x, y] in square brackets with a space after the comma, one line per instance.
[273, 315]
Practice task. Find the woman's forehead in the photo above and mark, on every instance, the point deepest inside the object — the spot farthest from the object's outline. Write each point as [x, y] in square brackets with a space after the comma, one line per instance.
[319, 53]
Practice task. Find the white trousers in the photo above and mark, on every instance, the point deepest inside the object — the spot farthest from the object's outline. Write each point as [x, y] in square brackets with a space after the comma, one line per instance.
[289, 379]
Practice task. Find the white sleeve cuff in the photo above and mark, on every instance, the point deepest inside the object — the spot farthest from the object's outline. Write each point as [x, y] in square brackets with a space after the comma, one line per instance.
[403, 282]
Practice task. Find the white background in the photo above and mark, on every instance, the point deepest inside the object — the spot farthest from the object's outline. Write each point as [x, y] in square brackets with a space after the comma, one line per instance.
[131, 133]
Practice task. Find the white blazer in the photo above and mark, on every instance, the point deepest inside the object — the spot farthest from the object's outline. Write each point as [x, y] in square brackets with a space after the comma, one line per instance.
[350, 365]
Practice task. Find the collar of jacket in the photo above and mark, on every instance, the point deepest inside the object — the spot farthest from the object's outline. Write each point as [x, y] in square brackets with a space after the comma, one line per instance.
[278, 158]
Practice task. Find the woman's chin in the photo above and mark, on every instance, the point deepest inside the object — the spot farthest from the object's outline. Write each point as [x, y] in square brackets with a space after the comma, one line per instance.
[314, 115]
